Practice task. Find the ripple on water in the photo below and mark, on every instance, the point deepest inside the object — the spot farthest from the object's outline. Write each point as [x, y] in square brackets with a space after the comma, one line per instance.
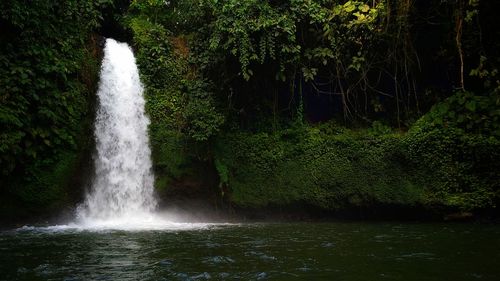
[22, 270]
[224, 275]
[226, 253]
[166, 262]
[327, 244]
[114, 226]
[304, 269]
[218, 260]
[261, 276]
[71, 278]
[43, 269]
[212, 245]
[429, 256]
[202, 276]
[260, 255]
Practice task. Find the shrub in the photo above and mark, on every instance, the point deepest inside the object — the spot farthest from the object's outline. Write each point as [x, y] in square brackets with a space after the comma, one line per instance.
[330, 171]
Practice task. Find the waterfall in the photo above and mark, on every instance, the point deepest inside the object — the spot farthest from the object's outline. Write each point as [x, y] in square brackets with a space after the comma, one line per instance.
[121, 195]
[122, 187]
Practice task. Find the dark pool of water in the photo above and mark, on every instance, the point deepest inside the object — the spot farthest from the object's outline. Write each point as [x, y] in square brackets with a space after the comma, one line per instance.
[302, 251]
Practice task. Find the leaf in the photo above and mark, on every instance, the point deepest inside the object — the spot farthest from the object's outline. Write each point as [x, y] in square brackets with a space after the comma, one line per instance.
[349, 6]
[364, 8]
[471, 106]
[309, 73]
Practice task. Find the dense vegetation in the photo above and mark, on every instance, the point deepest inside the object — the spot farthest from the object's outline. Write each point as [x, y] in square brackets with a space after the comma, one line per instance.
[48, 76]
[330, 103]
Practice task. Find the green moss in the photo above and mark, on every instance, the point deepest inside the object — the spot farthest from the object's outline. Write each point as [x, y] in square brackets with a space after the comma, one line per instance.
[336, 168]
[311, 165]
[47, 187]
[161, 183]
[461, 169]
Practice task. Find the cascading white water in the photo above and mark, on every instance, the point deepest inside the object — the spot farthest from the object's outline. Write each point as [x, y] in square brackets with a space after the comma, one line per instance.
[122, 194]
[122, 189]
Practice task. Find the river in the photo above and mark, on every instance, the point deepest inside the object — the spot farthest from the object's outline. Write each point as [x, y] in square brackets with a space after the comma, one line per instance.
[268, 251]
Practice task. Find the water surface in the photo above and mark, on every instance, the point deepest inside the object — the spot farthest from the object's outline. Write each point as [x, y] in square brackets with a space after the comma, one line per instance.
[301, 251]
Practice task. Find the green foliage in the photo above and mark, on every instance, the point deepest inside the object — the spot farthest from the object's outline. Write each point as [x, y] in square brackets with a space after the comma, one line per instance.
[250, 29]
[324, 166]
[48, 69]
[49, 182]
[487, 71]
[461, 169]
[378, 128]
[202, 118]
[259, 31]
[458, 145]
[180, 105]
[161, 72]
[334, 168]
[223, 172]
[201, 58]
[472, 113]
